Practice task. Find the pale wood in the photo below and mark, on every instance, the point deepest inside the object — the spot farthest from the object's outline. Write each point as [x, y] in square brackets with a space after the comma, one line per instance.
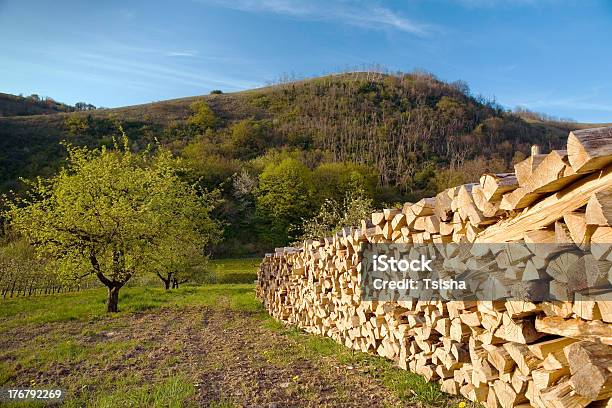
[442, 205]
[468, 209]
[389, 213]
[562, 234]
[549, 209]
[591, 369]
[552, 174]
[488, 209]
[542, 349]
[589, 330]
[424, 206]
[518, 199]
[579, 231]
[378, 218]
[599, 209]
[523, 357]
[562, 395]
[506, 395]
[601, 243]
[524, 169]
[398, 221]
[590, 149]
[494, 186]
[585, 307]
[543, 378]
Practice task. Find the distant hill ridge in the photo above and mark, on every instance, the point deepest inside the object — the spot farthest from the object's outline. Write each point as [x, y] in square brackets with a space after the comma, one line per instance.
[396, 123]
[13, 105]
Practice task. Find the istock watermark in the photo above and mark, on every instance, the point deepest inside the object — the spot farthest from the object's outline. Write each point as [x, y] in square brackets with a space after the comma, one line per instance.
[385, 263]
[450, 271]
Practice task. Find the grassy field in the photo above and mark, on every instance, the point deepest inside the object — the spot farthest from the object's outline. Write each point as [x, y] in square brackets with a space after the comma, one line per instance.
[242, 270]
[208, 345]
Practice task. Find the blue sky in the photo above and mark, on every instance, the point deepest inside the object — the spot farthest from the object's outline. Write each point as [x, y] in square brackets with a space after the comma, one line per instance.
[551, 56]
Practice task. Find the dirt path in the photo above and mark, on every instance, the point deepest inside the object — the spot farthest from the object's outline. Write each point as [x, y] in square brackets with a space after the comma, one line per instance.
[232, 357]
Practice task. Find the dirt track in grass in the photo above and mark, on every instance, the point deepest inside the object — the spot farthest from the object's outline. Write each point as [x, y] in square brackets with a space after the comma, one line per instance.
[232, 358]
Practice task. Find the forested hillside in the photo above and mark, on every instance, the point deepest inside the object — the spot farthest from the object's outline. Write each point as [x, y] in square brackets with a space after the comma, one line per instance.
[13, 105]
[275, 154]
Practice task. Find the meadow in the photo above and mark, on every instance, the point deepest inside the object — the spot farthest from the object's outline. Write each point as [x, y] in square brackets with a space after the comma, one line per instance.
[211, 345]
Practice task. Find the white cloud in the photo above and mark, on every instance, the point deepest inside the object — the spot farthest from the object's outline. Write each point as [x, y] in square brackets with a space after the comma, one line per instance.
[182, 54]
[365, 14]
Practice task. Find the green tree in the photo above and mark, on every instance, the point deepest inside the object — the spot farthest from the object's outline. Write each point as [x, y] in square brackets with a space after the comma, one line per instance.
[21, 271]
[249, 138]
[336, 180]
[179, 256]
[333, 215]
[78, 124]
[107, 213]
[202, 116]
[283, 198]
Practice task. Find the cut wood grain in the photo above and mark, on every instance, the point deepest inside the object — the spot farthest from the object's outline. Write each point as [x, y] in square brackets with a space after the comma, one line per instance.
[549, 209]
[599, 208]
[591, 368]
[590, 149]
[575, 328]
[494, 186]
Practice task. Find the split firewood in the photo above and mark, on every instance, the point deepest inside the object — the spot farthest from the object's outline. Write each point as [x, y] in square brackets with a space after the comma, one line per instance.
[591, 368]
[552, 174]
[488, 208]
[525, 360]
[548, 210]
[590, 149]
[563, 395]
[507, 396]
[494, 186]
[579, 329]
[442, 205]
[525, 168]
[599, 209]
[535, 249]
[601, 243]
[578, 228]
[518, 199]
[424, 207]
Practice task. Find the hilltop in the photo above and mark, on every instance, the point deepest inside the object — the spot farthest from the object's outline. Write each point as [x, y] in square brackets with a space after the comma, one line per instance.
[362, 117]
[13, 105]
[406, 135]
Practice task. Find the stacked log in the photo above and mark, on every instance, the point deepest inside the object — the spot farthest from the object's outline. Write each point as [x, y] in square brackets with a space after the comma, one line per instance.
[503, 351]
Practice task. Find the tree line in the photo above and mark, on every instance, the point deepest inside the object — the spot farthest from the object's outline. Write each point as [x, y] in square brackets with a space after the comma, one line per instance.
[276, 155]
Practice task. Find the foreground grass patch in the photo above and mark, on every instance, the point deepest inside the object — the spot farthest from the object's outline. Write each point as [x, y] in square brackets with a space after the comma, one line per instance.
[70, 352]
[147, 359]
[90, 304]
[407, 386]
[172, 392]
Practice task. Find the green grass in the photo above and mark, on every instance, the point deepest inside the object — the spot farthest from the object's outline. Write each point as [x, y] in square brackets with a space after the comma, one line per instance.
[239, 270]
[407, 386]
[171, 389]
[69, 352]
[91, 304]
[173, 392]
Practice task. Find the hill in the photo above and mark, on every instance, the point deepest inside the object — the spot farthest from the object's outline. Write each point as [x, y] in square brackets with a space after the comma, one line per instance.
[407, 135]
[13, 105]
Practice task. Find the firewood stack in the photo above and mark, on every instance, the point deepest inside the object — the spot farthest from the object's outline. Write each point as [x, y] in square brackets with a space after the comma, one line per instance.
[505, 352]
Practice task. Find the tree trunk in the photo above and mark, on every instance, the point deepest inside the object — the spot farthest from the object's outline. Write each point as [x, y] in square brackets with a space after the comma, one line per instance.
[113, 299]
[166, 281]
